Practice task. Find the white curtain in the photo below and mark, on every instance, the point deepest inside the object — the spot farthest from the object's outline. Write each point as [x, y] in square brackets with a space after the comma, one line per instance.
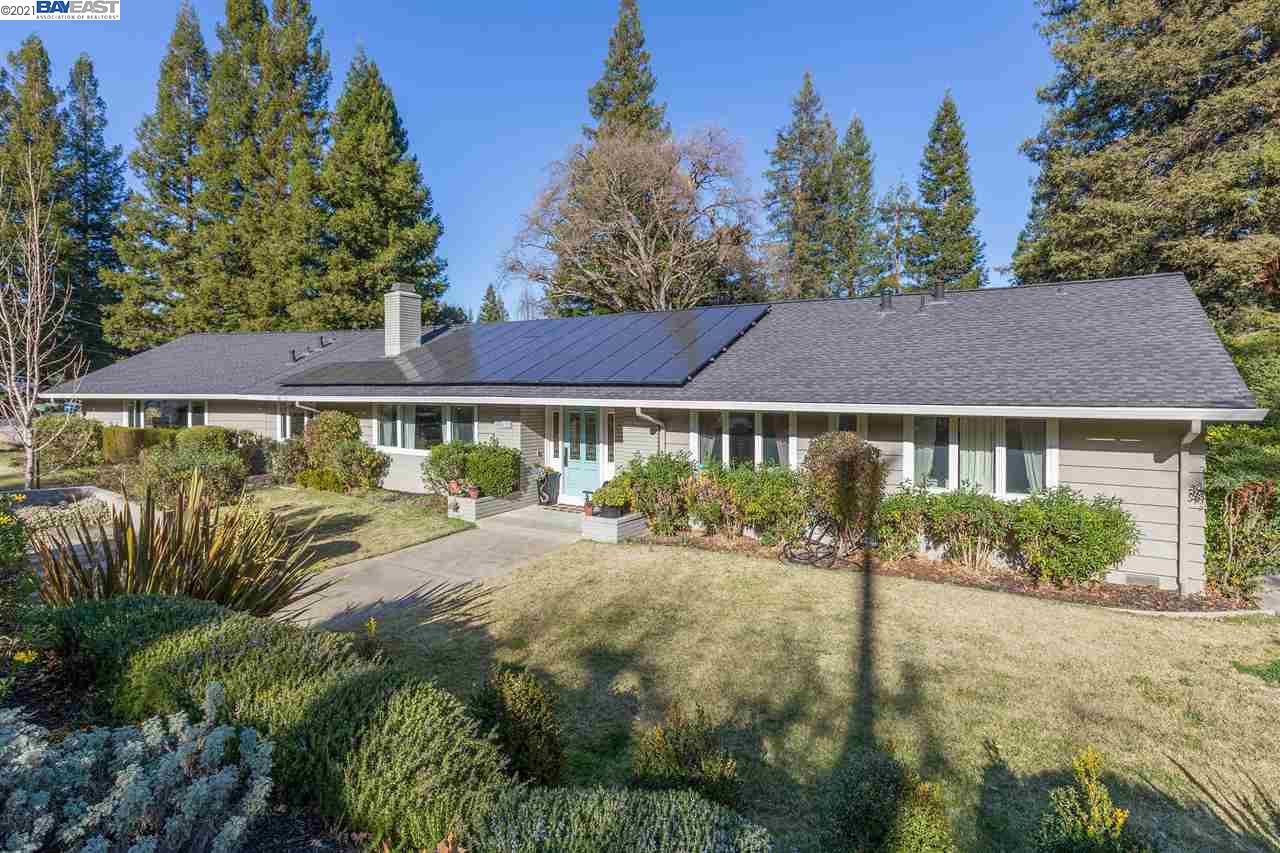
[932, 441]
[978, 454]
[1031, 440]
[708, 437]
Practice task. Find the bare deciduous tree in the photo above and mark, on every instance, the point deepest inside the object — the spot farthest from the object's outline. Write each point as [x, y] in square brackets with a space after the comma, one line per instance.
[33, 351]
[644, 222]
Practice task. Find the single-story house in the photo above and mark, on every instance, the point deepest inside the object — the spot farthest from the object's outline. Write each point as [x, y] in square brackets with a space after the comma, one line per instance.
[1104, 386]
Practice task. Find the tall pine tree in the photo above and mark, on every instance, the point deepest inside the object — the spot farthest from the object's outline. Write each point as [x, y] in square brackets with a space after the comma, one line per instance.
[94, 190]
[946, 248]
[798, 200]
[157, 239]
[622, 99]
[382, 228]
[857, 261]
[492, 310]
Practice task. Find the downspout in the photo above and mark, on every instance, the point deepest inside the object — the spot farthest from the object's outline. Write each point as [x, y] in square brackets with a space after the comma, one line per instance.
[662, 429]
[1194, 429]
[306, 408]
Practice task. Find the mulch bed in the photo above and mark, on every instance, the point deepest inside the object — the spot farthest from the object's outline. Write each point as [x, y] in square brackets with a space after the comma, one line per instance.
[1113, 595]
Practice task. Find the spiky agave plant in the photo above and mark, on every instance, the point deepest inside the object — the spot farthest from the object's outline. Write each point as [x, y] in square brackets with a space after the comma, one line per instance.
[238, 556]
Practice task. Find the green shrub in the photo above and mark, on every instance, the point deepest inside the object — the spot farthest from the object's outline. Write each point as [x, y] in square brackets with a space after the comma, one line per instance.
[900, 522]
[446, 463]
[658, 485]
[67, 441]
[165, 470]
[322, 480]
[240, 556]
[769, 500]
[121, 444]
[607, 820]
[254, 449]
[358, 465]
[1242, 507]
[356, 740]
[1082, 819]
[205, 438]
[844, 480]
[875, 804]
[495, 469]
[325, 432]
[191, 786]
[970, 527]
[521, 711]
[615, 493]
[685, 752]
[288, 459]
[1061, 537]
[13, 531]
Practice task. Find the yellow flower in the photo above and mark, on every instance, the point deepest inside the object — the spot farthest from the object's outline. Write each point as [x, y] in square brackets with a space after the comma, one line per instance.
[25, 656]
[19, 498]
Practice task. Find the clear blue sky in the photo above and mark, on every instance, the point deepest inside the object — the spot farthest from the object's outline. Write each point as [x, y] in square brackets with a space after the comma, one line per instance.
[492, 93]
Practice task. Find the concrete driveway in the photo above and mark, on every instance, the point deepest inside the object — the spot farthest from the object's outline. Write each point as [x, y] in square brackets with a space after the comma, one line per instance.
[396, 582]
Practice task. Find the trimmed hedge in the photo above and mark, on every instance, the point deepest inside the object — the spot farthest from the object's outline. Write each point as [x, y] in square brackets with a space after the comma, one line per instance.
[68, 441]
[356, 739]
[1063, 538]
[206, 438]
[495, 469]
[123, 444]
[358, 465]
[446, 463]
[321, 479]
[607, 820]
[166, 469]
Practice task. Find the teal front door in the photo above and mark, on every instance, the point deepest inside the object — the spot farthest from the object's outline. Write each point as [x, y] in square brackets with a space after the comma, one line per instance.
[581, 453]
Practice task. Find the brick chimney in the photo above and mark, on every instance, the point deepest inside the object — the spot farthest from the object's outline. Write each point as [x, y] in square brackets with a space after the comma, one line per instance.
[402, 319]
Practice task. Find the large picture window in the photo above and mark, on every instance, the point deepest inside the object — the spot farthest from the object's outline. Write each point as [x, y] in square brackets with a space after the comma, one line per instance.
[932, 452]
[389, 426]
[173, 414]
[708, 438]
[464, 423]
[425, 427]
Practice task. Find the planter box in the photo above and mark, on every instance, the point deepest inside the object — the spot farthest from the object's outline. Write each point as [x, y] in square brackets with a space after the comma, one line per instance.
[474, 509]
[614, 530]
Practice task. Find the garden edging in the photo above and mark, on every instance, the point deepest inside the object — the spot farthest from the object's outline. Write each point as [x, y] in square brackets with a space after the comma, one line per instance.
[474, 509]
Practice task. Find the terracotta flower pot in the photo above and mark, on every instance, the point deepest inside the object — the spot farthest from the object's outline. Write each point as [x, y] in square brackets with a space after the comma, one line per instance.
[587, 509]
[455, 488]
[473, 491]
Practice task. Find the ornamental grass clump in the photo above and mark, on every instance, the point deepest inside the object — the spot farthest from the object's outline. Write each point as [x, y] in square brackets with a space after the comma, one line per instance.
[239, 556]
[164, 786]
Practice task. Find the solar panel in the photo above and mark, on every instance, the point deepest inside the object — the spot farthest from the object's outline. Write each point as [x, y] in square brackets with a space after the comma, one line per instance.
[658, 348]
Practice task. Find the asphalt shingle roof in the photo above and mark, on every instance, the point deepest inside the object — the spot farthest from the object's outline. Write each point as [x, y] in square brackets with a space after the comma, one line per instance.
[1142, 341]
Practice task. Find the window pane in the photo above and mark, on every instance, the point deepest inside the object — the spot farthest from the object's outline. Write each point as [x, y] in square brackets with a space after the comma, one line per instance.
[163, 413]
[708, 437]
[197, 414]
[847, 423]
[776, 451]
[590, 439]
[555, 434]
[1024, 455]
[297, 425]
[428, 427]
[978, 454]
[932, 438]
[608, 436]
[574, 434]
[742, 438]
[388, 423]
[464, 424]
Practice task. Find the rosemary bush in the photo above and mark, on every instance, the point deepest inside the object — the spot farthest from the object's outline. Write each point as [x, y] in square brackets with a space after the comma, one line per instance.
[167, 785]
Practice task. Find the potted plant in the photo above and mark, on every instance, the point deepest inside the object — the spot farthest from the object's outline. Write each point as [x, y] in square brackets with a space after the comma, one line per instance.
[455, 488]
[473, 491]
[587, 509]
[613, 498]
[548, 486]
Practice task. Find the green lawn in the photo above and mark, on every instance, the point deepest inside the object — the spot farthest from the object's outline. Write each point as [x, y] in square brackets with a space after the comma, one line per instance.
[352, 527]
[989, 693]
[11, 468]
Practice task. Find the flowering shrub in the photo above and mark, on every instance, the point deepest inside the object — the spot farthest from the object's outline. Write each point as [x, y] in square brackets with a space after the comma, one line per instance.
[168, 784]
[685, 752]
[13, 531]
[1082, 818]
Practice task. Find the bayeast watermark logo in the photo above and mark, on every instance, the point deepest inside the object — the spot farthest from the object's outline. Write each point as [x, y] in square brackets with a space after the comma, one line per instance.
[61, 10]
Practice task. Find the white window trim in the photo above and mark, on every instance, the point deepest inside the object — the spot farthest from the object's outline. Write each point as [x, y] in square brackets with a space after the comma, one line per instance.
[1052, 474]
[793, 441]
[405, 415]
[551, 444]
[603, 436]
[141, 412]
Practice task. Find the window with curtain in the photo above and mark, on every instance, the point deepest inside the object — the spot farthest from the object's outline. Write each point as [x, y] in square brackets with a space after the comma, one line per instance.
[388, 426]
[978, 454]
[464, 424]
[1024, 441]
[774, 426]
[742, 438]
[932, 457]
[426, 428]
[708, 437]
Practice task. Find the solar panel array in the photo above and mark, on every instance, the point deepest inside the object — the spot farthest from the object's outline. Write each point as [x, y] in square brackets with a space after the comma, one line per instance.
[658, 348]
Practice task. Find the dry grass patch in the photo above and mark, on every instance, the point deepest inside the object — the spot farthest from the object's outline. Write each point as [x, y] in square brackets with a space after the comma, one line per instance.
[345, 528]
[989, 693]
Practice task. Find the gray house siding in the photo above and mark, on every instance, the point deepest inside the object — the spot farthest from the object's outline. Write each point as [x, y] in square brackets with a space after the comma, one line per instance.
[260, 417]
[106, 412]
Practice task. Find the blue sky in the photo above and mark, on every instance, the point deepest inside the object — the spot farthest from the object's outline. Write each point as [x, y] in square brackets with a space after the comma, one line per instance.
[492, 93]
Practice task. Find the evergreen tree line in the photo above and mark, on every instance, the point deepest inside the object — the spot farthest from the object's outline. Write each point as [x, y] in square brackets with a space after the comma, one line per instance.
[257, 207]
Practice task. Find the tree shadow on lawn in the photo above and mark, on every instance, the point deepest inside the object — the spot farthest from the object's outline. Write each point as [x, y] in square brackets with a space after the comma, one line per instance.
[1010, 808]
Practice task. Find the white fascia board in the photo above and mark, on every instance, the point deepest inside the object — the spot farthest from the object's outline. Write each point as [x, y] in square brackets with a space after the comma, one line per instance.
[1127, 413]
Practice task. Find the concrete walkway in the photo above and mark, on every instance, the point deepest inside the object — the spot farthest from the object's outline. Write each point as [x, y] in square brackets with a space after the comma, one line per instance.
[417, 576]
